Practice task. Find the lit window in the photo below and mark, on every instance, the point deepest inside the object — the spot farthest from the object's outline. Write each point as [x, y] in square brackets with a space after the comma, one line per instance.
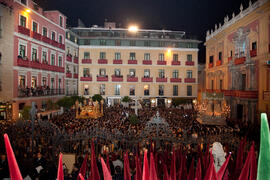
[146, 90]
[23, 21]
[161, 57]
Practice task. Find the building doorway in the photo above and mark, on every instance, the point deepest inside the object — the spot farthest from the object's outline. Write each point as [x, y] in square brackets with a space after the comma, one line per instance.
[239, 110]
[161, 102]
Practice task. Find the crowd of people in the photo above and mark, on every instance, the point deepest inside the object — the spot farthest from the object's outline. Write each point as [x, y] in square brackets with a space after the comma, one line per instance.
[65, 133]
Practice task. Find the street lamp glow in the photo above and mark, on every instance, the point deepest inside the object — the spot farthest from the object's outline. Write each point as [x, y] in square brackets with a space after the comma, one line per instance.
[133, 29]
[169, 51]
[28, 10]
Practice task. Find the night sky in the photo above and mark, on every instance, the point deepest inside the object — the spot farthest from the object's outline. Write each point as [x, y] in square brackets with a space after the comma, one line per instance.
[194, 17]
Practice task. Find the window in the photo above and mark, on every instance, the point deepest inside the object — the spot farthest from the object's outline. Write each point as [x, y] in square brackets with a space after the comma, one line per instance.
[175, 57]
[117, 72]
[231, 54]
[22, 50]
[60, 39]
[220, 56]
[175, 90]
[243, 82]
[86, 72]
[132, 43]
[44, 81]
[189, 74]
[175, 73]
[53, 59]
[35, 27]
[132, 56]
[61, 21]
[211, 59]
[52, 83]
[161, 57]
[44, 57]
[254, 45]
[212, 84]
[132, 90]
[59, 83]
[132, 72]
[23, 21]
[34, 82]
[86, 90]
[117, 89]
[44, 32]
[220, 84]
[24, 2]
[102, 89]
[146, 56]
[118, 42]
[60, 61]
[147, 73]
[161, 73]
[102, 55]
[34, 54]
[161, 90]
[146, 90]
[189, 57]
[117, 56]
[189, 90]
[22, 81]
[103, 42]
[53, 35]
[102, 72]
[86, 55]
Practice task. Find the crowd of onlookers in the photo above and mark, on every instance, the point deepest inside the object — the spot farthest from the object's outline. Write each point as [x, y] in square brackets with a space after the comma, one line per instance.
[38, 157]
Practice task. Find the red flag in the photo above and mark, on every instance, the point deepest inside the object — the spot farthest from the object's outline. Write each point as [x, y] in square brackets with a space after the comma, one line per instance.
[126, 167]
[106, 172]
[108, 163]
[248, 171]
[165, 173]
[80, 176]
[253, 167]
[94, 170]
[146, 174]
[198, 171]
[191, 170]
[138, 175]
[83, 168]
[60, 173]
[223, 168]
[206, 158]
[173, 168]
[240, 158]
[14, 170]
[211, 172]
[153, 173]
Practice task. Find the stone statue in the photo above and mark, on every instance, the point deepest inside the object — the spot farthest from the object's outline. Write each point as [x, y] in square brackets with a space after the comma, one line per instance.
[33, 112]
[218, 154]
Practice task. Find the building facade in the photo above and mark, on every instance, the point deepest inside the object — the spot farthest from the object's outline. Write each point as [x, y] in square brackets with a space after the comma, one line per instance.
[237, 67]
[72, 61]
[36, 63]
[152, 65]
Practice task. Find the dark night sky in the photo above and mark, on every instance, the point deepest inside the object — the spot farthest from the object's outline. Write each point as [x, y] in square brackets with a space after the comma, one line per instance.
[194, 17]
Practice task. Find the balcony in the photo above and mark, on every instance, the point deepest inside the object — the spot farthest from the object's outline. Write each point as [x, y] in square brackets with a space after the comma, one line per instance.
[117, 78]
[117, 61]
[38, 92]
[46, 39]
[36, 35]
[24, 30]
[102, 61]
[102, 78]
[75, 60]
[132, 62]
[176, 63]
[161, 79]
[176, 80]
[240, 60]
[241, 94]
[75, 76]
[253, 53]
[147, 62]
[86, 78]
[86, 61]
[22, 62]
[35, 64]
[132, 79]
[190, 80]
[61, 46]
[147, 79]
[54, 43]
[161, 62]
[189, 63]
[69, 58]
[210, 65]
[219, 63]
[69, 75]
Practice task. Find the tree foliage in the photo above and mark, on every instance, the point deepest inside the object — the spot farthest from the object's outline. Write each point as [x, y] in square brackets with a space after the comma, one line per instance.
[133, 119]
[126, 99]
[97, 97]
[26, 112]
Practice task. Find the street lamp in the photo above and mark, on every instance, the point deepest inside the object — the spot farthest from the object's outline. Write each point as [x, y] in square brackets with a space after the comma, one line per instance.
[133, 29]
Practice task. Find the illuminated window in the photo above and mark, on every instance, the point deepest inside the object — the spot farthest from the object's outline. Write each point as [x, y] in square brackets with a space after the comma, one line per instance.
[161, 57]
[117, 72]
[146, 90]
[132, 72]
[44, 81]
[22, 81]
[34, 82]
